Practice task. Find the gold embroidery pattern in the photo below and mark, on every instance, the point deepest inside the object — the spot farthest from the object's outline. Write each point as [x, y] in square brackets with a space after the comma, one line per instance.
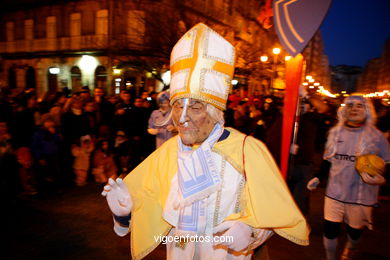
[150, 249]
[218, 200]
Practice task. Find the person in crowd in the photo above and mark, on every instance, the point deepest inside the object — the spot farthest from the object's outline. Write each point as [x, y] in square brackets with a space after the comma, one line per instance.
[313, 127]
[85, 94]
[90, 113]
[122, 153]
[241, 117]
[103, 166]
[351, 195]
[160, 124]
[54, 114]
[75, 122]
[45, 148]
[81, 163]
[25, 123]
[138, 132]
[209, 180]
[104, 109]
[26, 171]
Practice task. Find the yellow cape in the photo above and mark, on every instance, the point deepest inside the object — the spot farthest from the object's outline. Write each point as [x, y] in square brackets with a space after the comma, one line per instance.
[266, 203]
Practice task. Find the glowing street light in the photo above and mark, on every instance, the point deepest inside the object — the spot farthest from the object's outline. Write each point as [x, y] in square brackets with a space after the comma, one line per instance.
[88, 63]
[264, 58]
[116, 71]
[276, 51]
[287, 58]
[54, 70]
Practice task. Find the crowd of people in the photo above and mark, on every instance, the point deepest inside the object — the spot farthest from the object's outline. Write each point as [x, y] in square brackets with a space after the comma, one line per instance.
[66, 139]
[74, 138]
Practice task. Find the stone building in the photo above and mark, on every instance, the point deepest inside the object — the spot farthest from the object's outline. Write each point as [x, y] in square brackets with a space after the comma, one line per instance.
[376, 73]
[49, 45]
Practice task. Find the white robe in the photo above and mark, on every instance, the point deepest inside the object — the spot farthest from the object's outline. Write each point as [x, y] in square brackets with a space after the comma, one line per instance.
[219, 205]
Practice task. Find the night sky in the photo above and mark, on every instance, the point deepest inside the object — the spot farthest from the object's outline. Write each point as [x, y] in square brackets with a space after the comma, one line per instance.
[355, 31]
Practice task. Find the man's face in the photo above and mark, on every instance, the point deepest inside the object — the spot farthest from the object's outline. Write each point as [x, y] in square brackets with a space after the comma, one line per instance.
[125, 97]
[89, 107]
[98, 92]
[355, 112]
[192, 120]
[138, 102]
[49, 126]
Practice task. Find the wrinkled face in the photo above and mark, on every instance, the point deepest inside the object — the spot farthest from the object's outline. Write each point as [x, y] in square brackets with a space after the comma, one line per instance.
[355, 112]
[192, 120]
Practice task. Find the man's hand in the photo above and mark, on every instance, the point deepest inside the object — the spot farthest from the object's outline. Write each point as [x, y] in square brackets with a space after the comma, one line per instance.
[372, 179]
[118, 197]
[313, 183]
[240, 232]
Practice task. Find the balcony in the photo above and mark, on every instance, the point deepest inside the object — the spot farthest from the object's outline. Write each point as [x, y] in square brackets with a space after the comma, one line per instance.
[56, 44]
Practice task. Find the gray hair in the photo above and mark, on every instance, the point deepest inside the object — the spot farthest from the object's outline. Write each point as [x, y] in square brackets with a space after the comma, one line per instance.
[368, 107]
[364, 139]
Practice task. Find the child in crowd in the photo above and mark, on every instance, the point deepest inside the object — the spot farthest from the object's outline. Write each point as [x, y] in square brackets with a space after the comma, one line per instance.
[81, 155]
[103, 162]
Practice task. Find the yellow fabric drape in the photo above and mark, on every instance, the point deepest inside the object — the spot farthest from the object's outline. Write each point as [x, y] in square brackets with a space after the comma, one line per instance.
[266, 201]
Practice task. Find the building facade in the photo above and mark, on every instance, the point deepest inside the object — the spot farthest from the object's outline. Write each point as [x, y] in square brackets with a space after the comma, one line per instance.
[376, 73]
[114, 44]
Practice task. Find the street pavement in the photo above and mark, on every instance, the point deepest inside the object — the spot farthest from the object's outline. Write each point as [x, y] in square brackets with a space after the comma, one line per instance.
[76, 224]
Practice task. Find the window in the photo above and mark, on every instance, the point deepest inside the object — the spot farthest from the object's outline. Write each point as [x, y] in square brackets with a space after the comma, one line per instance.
[51, 30]
[136, 26]
[10, 32]
[28, 29]
[75, 24]
[102, 22]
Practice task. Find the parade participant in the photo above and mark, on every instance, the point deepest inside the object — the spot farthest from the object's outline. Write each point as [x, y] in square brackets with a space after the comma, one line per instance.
[351, 195]
[208, 182]
[159, 124]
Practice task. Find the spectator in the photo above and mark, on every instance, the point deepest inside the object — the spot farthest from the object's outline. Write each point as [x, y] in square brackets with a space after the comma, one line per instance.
[160, 124]
[81, 163]
[103, 162]
[46, 151]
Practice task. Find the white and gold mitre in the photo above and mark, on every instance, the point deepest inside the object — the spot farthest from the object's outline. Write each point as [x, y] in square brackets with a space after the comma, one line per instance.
[202, 67]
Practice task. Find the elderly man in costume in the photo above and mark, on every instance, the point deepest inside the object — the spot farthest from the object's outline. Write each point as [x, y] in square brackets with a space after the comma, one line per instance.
[209, 180]
[356, 153]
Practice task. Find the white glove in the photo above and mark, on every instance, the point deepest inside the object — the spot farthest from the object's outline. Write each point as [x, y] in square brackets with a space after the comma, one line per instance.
[372, 179]
[240, 232]
[313, 183]
[118, 197]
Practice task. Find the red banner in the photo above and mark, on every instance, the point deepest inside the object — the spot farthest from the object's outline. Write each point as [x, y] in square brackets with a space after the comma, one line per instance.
[293, 80]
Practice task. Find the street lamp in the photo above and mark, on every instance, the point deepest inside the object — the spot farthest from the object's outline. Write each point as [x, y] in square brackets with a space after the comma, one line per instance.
[264, 58]
[276, 51]
[274, 66]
